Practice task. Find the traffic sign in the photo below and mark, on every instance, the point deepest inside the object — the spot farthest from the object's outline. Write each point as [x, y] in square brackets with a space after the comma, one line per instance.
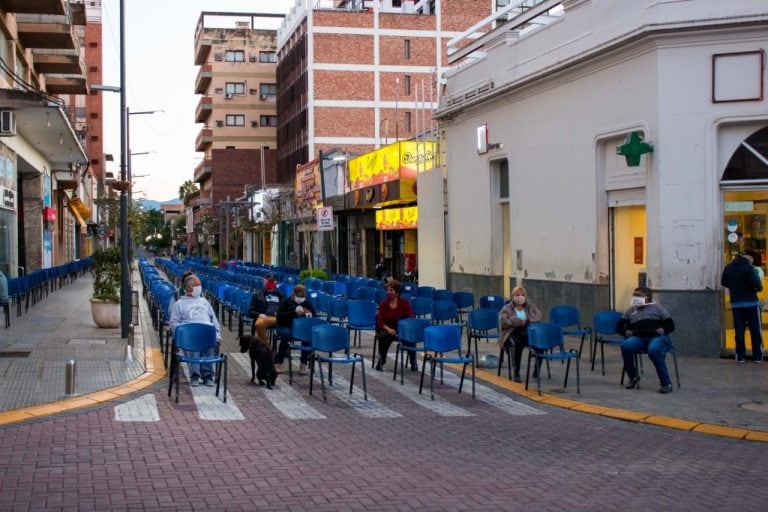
[325, 218]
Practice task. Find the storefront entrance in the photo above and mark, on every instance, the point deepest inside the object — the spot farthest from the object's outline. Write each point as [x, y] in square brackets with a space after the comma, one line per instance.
[628, 253]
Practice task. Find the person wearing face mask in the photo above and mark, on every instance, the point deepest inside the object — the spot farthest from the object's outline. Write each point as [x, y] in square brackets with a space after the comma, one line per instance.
[193, 308]
[391, 310]
[645, 325]
[514, 319]
[295, 306]
[263, 308]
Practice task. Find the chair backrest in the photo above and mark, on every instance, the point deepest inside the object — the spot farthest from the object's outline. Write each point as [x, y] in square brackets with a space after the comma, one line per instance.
[444, 311]
[195, 337]
[425, 291]
[442, 295]
[421, 306]
[379, 295]
[313, 283]
[361, 312]
[330, 338]
[410, 288]
[301, 329]
[366, 293]
[442, 338]
[286, 289]
[337, 309]
[464, 300]
[545, 336]
[604, 322]
[412, 329]
[492, 302]
[483, 319]
[565, 316]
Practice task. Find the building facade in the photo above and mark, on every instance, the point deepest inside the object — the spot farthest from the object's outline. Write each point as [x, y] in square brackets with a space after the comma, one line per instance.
[44, 180]
[599, 157]
[355, 76]
[236, 80]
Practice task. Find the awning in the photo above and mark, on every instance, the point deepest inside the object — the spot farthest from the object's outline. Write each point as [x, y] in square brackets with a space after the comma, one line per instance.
[78, 217]
[80, 206]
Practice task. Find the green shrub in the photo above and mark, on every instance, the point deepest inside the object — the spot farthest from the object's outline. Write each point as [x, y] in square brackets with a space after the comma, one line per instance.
[106, 274]
[318, 273]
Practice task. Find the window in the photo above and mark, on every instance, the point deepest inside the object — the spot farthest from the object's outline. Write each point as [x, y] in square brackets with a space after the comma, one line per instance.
[267, 56]
[235, 88]
[406, 49]
[235, 120]
[234, 56]
[407, 121]
[267, 89]
[407, 85]
[503, 170]
[268, 120]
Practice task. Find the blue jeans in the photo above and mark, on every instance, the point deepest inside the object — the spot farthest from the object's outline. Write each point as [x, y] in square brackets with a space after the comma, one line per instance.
[656, 347]
[205, 371]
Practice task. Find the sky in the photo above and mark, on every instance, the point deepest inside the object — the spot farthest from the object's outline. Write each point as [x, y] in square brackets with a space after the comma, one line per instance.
[160, 75]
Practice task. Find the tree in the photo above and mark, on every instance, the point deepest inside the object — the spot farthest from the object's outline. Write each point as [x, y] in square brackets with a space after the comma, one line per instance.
[187, 188]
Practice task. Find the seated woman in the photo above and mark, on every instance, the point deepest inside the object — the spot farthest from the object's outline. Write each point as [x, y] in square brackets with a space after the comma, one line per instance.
[295, 306]
[645, 326]
[514, 319]
[391, 310]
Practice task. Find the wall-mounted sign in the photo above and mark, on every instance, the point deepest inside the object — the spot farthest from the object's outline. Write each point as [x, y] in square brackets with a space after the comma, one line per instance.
[307, 191]
[325, 218]
[738, 206]
[397, 218]
[397, 161]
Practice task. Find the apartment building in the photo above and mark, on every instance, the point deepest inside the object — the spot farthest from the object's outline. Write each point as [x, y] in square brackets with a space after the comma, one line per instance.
[237, 58]
[355, 76]
[44, 180]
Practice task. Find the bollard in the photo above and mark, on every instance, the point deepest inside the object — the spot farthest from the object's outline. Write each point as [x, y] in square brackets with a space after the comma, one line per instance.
[130, 334]
[69, 378]
[129, 346]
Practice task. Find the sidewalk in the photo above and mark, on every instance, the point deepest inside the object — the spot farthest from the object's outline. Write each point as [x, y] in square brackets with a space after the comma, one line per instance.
[717, 396]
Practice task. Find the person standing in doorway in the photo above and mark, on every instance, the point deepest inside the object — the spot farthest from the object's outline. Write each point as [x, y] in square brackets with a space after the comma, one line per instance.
[742, 282]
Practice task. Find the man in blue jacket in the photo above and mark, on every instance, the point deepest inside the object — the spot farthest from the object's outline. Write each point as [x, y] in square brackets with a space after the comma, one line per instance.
[741, 279]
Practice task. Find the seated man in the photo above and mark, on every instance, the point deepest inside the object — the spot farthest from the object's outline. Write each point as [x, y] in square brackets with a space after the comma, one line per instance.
[645, 326]
[193, 308]
[263, 308]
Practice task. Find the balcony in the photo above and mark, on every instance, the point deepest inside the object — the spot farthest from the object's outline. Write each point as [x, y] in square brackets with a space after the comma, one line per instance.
[204, 108]
[34, 6]
[203, 79]
[204, 139]
[65, 84]
[63, 62]
[203, 170]
[44, 31]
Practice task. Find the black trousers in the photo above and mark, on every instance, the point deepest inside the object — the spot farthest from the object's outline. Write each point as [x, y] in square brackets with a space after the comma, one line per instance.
[385, 340]
[519, 340]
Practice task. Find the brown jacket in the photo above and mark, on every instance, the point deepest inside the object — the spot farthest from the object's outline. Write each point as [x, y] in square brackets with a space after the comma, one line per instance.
[508, 320]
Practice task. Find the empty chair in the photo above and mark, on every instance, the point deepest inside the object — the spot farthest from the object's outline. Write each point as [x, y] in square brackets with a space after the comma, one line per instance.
[313, 284]
[332, 339]
[337, 311]
[196, 343]
[361, 316]
[422, 307]
[492, 302]
[442, 295]
[445, 311]
[542, 339]
[465, 302]
[366, 293]
[410, 339]
[604, 328]
[569, 318]
[483, 324]
[425, 291]
[286, 288]
[439, 342]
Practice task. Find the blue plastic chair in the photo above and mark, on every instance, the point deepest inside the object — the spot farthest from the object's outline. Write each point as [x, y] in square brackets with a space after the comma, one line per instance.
[301, 332]
[465, 302]
[440, 340]
[422, 307]
[366, 293]
[286, 288]
[442, 295]
[483, 324]
[425, 291]
[329, 339]
[569, 318]
[337, 312]
[410, 339]
[445, 312]
[492, 302]
[195, 338]
[361, 316]
[604, 329]
[543, 338]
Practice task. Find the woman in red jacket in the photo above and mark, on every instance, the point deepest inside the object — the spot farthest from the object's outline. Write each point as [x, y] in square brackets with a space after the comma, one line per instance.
[391, 310]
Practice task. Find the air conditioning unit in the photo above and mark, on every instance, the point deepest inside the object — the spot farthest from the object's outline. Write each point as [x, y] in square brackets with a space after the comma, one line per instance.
[7, 122]
[228, 96]
[218, 57]
[252, 58]
[254, 124]
[219, 124]
[262, 96]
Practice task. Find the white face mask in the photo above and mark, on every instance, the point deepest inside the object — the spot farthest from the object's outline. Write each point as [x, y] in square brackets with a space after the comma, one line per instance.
[299, 300]
[518, 299]
[638, 301]
[197, 291]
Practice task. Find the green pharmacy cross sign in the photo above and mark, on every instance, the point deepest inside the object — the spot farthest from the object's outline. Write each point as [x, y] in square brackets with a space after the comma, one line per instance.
[633, 148]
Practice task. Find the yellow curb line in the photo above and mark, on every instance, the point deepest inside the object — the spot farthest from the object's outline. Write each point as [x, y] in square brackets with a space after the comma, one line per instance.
[154, 373]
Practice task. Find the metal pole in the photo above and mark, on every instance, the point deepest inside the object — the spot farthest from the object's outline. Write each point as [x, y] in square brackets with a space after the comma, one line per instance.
[69, 377]
[125, 281]
[397, 109]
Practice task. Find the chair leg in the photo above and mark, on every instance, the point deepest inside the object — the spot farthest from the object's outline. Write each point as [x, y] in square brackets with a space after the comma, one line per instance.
[290, 367]
[432, 378]
[351, 378]
[322, 381]
[677, 373]
[463, 372]
[226, 372]
[423, 369]
[578, 377]
[365, 385]
[397, 359]
[375, 347]
[311, 372]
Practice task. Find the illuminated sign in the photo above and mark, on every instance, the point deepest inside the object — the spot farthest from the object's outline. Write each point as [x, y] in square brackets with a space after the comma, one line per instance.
[397, 218]
[399, 160]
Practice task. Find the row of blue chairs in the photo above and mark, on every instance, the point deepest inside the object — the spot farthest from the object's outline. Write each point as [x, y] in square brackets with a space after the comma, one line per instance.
[31, 288]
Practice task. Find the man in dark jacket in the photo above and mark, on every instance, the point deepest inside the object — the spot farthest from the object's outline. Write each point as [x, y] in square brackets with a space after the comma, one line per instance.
[263, 308]
[646, 325]
[741, 279]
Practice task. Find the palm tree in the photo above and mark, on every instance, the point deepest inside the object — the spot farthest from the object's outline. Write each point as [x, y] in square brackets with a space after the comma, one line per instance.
[187, 188]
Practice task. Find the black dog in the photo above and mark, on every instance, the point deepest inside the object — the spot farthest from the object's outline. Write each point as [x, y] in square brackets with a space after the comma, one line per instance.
[261, 355]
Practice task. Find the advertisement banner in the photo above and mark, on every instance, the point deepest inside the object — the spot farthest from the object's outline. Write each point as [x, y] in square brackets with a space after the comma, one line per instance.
[307, 189]
[399, 160]
[397, 218]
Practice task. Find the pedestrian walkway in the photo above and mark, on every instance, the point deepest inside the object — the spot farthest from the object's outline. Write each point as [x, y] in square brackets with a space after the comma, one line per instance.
[717, 396]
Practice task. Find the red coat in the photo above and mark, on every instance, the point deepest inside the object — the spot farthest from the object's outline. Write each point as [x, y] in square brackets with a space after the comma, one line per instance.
[390, 316]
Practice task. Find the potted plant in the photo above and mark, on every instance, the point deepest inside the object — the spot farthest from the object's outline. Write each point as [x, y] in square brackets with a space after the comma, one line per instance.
[105, 304]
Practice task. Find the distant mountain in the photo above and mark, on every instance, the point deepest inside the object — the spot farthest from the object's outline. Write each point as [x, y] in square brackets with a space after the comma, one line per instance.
[150, 204]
